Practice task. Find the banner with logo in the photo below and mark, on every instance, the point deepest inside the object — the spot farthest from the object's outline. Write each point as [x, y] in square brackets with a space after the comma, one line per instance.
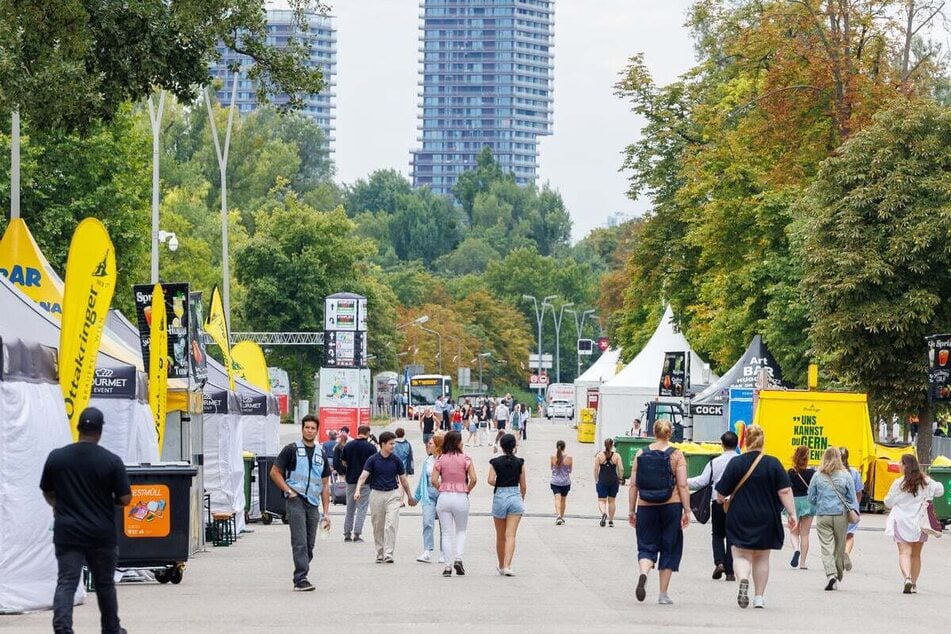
[673, 375]
[196, 335]
[249, 356]
[217, 329]
[158, 362]
[22, 262]
[114, 382]
[939, 368]
[90, 283]
[176, 311]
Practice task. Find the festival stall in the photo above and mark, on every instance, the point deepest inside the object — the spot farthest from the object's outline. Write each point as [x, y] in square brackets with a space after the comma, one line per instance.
[222, 438]
[711, 409]
[119, 388]
[33, 422]
[604, 368]
[626, 395]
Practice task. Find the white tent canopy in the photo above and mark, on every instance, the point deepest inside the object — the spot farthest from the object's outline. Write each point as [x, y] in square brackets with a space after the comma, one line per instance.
[119, 390]
[600, 371]
[33, 422]
[625, 396]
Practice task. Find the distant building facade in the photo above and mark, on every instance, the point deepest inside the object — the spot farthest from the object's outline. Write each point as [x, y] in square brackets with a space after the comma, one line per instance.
[487, 80]
[281, 26]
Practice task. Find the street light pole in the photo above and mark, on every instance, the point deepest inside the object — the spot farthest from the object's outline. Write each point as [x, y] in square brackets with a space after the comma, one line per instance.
[155, 118]
[560, 315]
[439, 343]
[480, 357]
[539, 317]
[579, 326]
[15, 165]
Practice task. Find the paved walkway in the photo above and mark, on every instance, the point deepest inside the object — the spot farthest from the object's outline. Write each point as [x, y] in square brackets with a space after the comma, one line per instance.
[572, 578]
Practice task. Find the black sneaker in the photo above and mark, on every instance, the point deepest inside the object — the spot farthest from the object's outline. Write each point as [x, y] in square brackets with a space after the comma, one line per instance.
[304, 586]
[611, 524]
[447, 571]
[357, 539]
[743, 594]
[347, 538]
[794, 562]
[641, 592]
[718, 572]
[604, 518]
[831, 584]
[458, 566]
[730, 577]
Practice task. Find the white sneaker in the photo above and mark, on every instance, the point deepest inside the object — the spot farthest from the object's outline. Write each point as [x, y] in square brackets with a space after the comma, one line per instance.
[425, 558]
[758, 602]
[507, 572]
[442, 559]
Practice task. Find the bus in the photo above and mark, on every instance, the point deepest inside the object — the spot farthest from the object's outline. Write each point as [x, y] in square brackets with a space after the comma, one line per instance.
[424, 389]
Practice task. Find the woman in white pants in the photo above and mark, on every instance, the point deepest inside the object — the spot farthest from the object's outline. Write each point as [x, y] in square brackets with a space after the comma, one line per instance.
[454, 476]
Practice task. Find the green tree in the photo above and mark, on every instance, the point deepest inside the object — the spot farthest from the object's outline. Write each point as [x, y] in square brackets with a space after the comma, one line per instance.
[424, 227]
[294, 260]
[68, 63]
[381, 192]
[477, 180]
[877, 261]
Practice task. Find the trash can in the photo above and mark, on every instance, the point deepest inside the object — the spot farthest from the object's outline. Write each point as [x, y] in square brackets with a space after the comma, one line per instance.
[942, 505]
[271, 498]
[248, 478]
[154, 528]
[586, 432]
[696, 462]
[627, 447]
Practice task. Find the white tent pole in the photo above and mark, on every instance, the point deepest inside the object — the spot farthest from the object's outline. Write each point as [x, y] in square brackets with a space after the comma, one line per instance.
[15, 167]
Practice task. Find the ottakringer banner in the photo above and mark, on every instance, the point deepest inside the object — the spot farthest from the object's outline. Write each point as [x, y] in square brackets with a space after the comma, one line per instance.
[90, 283]
[158, 362]
[217, 329]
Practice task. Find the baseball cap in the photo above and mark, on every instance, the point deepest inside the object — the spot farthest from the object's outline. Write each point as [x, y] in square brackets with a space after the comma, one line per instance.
[90, 420]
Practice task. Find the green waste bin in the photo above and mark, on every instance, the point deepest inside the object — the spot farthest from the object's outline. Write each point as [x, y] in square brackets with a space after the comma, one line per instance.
[696, 462]
[627, 447]
[249, 460]
[942, 505]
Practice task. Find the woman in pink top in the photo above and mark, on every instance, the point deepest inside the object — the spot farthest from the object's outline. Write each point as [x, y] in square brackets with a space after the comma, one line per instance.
[454, 476]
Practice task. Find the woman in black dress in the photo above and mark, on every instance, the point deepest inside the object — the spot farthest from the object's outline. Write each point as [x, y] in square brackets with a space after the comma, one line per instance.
[753, 523]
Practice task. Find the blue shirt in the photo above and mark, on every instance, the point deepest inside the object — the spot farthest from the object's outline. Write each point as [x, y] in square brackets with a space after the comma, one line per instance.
[384, 472]
[825, 498]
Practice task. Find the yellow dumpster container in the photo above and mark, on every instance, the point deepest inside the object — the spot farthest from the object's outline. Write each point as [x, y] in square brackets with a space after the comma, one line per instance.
[586, 426]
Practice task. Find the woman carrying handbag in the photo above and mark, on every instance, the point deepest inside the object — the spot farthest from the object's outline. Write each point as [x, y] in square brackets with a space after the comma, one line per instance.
[909, 520]
[832, 494]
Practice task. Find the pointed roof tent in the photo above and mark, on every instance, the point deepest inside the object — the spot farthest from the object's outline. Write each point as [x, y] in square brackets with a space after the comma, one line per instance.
[602, 369]
[645, 369]
[744, 373]
[25, 267]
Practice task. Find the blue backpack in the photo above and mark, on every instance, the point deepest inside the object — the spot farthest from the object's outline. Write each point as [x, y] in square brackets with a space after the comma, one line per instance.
[655, 479]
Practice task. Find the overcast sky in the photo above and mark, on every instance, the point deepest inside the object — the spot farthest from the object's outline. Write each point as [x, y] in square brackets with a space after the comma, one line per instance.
[378, 71]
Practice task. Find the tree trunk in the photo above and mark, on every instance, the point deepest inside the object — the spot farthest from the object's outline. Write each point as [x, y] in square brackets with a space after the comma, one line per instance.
[925, 435]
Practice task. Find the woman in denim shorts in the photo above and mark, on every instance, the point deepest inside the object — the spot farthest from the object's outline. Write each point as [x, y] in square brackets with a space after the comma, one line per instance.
[507, 475]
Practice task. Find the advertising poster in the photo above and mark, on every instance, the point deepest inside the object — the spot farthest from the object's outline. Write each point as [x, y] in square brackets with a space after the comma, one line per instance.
[149, 512]
[196, 320]
[739, 411]
[339, 404]
[939, 368]
[176, 309]
[673, 376]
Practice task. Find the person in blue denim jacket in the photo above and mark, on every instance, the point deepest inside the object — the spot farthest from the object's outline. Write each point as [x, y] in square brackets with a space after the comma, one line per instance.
[426, 493]
[832, 494]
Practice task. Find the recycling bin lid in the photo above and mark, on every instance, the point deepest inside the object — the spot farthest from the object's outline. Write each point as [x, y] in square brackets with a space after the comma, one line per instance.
[167, 468]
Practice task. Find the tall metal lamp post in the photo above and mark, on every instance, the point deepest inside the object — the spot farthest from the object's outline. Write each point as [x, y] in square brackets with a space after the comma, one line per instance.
[438, 342]
[558, 316]
[579, 326]
[539, 318]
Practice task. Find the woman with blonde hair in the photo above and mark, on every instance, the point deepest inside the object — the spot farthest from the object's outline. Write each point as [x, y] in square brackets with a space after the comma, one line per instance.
[659, 509]
[908, 500]
[832, 493]
[800, 476]
[754, 488]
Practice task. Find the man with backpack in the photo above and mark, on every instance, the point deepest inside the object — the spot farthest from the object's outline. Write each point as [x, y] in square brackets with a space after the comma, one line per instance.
[659, 509]
[403, 450]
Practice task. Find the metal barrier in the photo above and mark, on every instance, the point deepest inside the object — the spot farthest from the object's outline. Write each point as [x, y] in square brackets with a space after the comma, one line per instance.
[940, 447]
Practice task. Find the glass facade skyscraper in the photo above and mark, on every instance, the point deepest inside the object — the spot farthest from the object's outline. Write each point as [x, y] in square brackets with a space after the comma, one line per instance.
[281, 26]
[487, 76]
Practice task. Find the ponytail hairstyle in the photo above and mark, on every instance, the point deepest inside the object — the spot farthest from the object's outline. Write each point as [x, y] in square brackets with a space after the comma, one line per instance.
[608, 444]
[560, 453]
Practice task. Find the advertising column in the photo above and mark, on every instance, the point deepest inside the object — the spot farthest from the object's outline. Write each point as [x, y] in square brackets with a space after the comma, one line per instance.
[344, 386]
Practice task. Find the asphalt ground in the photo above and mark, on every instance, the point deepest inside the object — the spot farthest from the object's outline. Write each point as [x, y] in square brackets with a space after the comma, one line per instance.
[578, 577]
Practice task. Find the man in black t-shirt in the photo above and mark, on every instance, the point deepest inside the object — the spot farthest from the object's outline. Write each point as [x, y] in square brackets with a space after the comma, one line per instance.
[84, 483]
[354, 455]
[302, 472]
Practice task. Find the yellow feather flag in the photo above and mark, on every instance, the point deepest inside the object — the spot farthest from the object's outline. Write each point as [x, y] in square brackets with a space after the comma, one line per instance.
[249, 357]
[217, 329]
[90, 283]
[158, 362]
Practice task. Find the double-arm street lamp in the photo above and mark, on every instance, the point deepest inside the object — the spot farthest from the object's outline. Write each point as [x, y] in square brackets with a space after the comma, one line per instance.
[579, 326]
[438, 341]
[416, 322]
[481, 356]
[539, 318]
[557, 316]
